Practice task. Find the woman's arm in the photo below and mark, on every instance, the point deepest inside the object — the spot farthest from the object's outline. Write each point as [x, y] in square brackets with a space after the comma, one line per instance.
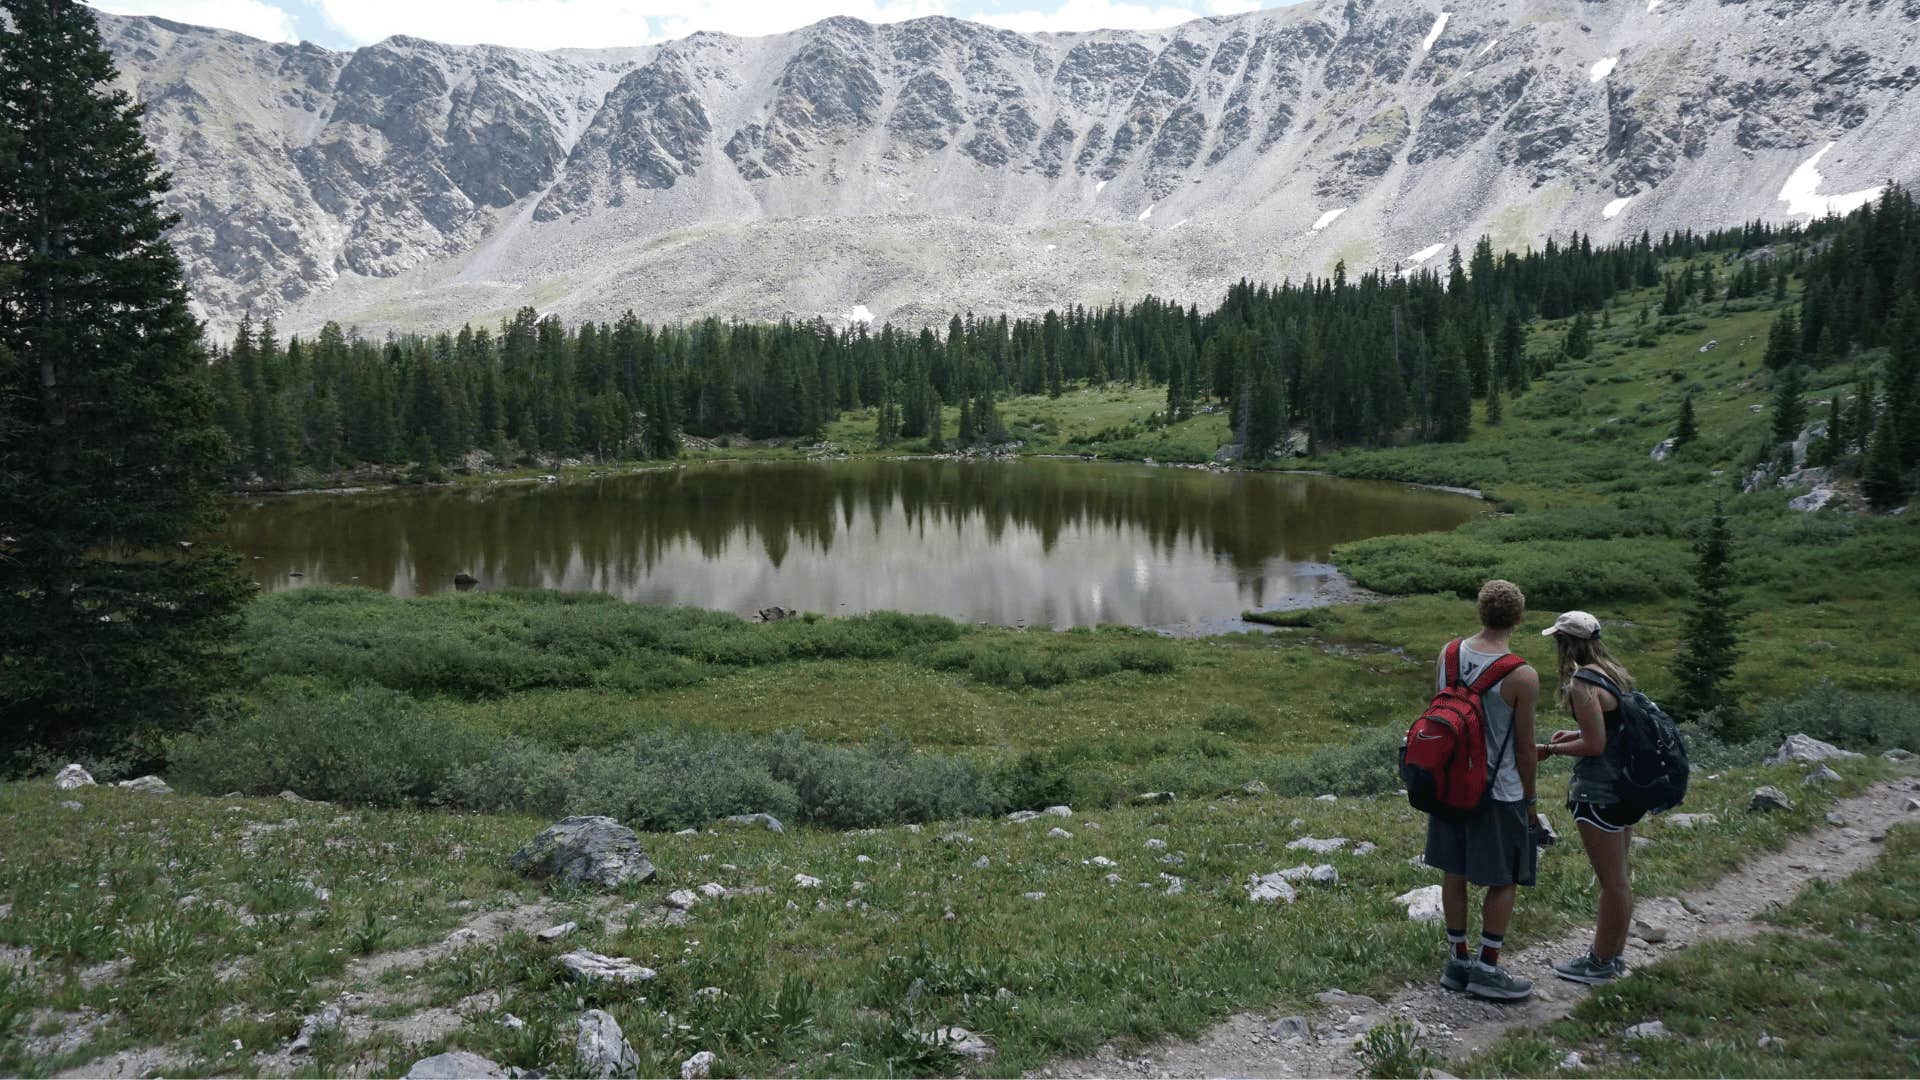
[1592, 739]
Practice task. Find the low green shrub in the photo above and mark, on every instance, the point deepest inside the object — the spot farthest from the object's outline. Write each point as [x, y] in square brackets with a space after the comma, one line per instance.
[1012, 666]
[365, 744]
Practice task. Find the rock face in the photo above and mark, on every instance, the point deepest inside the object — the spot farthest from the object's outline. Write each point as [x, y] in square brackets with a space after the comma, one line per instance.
[585, 851]
[73, 776]
[777, 173]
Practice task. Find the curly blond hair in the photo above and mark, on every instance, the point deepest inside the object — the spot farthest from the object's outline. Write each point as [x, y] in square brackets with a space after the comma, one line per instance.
[1501, 604]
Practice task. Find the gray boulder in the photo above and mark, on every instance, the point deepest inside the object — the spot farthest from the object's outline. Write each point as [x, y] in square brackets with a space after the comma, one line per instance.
[697, 1067]
[1690, 821]
[1898, 755]
[960, 1042]
[73, 776]
[1289, 1027]
[1422, 904]
[754, 821]
[601, 1048]
[1805, 748]
[458, 1065]
[1769, 798]
[1821, 775]
[1663, 449]
[1652, 1029]
[1152, 798]
[1269, 889]
[585, 851]
[591, 967]
[147, 785]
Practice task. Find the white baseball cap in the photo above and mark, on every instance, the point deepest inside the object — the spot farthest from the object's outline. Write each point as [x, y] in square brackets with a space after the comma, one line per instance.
[1574, 624]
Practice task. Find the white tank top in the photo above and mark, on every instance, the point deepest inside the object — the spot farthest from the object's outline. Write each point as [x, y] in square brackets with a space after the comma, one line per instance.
[1506, 774]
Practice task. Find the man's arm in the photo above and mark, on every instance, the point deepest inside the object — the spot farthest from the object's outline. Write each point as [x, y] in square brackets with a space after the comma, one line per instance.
[1525, 684]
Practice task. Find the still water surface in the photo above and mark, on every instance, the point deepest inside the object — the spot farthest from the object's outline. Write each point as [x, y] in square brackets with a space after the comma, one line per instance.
[1060, 543]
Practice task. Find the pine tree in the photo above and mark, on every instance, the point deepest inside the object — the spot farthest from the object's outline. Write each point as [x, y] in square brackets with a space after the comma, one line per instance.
[968, 435]
[1709, 638]
[1880, 478]
[1579, 340]
[1494, 407]
[1789, 411]
[1783, 342]
[1513, 353]
[1687, 429]
[112, 626]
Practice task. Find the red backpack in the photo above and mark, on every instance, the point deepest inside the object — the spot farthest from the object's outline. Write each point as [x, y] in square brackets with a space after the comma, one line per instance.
[1444, 762]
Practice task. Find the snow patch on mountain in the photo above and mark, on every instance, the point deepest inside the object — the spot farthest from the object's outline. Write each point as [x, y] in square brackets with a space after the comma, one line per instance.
[1613, 208]
[1426, 253]
[1602, 68]
[1433, 35]
[1145, 214]
[1800, 191]
[858, 313]
[1328, 218]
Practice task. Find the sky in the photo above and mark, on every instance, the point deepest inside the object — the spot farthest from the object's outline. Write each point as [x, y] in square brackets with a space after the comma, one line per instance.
[550, 24]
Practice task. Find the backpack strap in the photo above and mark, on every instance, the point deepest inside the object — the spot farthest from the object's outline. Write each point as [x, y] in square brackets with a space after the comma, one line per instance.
[1599, 680]
[1452, 661]
[1496, 671]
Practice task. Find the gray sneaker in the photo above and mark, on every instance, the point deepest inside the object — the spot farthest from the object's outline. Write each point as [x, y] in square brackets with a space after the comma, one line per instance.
[1495, 984]
[1458, 972]
[1585, 969]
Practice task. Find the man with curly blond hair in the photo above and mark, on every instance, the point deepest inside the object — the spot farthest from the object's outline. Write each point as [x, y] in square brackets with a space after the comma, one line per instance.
[1494, 847]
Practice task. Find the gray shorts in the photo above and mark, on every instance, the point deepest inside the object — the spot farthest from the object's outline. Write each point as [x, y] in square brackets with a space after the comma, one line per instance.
[1492, 847]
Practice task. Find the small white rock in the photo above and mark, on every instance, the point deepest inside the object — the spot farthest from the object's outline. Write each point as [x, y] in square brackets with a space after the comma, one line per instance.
[697, 1067]
[806, 881]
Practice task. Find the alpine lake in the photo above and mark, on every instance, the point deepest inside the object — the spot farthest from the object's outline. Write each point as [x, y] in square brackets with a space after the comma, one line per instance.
[1030, 542]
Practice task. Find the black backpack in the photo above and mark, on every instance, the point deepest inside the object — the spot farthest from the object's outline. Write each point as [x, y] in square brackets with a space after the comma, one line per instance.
[1647, 750]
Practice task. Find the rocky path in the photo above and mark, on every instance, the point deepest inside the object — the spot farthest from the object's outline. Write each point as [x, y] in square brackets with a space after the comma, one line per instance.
[1455, 1026]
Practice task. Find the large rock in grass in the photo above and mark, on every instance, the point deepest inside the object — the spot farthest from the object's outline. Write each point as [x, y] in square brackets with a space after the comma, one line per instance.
[73, 776]
[602, 1048]
[585, 851]
[459, 1065]
[1269, 889]
[1769, 798]
[591, 967]
[1423, 904]
[147, 785]
[1806, 748]
[753, 821]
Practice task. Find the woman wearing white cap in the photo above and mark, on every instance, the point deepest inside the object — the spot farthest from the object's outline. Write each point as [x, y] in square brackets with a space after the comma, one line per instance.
[1591, 682]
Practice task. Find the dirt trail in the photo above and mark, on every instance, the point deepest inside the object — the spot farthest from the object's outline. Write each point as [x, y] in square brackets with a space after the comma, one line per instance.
[1457, 1026]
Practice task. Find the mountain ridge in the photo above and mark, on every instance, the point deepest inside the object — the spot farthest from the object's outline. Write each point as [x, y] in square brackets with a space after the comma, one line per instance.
[935, 166]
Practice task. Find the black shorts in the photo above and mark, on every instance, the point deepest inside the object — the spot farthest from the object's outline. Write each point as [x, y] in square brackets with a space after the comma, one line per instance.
[1610, 818]
[1493, 847]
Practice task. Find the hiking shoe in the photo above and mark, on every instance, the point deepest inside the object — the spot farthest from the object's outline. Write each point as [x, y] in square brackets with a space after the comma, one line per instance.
[1495, 984]
[1457, 973]
[1585, 969]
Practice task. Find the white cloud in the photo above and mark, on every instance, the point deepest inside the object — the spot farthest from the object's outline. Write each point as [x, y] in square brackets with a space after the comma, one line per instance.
[252, 17]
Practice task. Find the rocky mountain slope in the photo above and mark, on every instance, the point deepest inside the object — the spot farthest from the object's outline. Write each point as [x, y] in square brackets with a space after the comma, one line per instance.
[916, 169]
